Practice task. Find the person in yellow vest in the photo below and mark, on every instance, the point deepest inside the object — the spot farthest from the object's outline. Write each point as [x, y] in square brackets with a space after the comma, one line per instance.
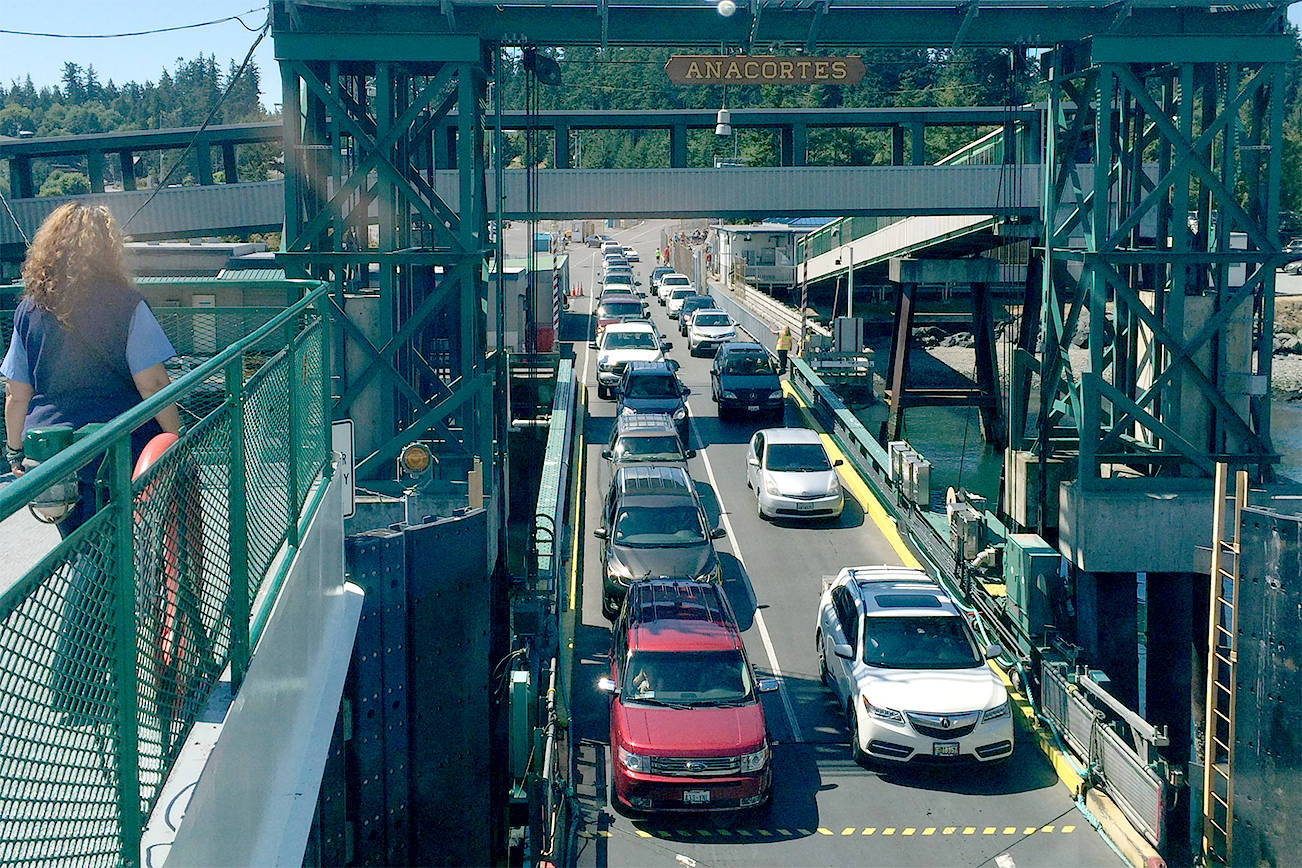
[784, 348]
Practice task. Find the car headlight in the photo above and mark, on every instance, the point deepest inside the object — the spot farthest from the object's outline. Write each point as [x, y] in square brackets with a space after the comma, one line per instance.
[775, 395]
[835, 486]
[731, 396]
[680, 414]
[771, 487]
[882, 713]
[1000, 711]
[634, 762]
[617, 570]
[714, 574]
[626, 411]
[604, 364]
[754, 762]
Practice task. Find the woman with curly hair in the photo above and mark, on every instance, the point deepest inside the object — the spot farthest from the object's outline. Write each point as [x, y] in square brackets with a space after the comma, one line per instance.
[85, 347]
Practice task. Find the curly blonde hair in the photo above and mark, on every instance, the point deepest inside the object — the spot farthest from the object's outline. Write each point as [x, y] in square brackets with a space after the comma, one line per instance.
[75, 254]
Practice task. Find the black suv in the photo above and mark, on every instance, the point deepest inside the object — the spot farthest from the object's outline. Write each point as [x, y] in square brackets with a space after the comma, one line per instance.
[645, 438]
[691, 305]
[652, 387]
[653, 526]
[743, 378]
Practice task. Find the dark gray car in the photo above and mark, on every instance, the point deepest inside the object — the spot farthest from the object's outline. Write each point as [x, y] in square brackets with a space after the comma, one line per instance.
[743, 379]
[653, 526]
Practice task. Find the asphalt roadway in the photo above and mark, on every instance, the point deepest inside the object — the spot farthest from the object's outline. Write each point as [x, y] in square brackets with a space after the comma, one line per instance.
[825, 810]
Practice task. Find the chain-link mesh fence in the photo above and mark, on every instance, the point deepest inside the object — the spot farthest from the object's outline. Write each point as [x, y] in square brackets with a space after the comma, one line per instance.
[95, 700]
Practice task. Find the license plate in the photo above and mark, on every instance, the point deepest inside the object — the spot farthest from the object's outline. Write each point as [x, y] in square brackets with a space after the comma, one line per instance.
[696, 797]
[754, 408]
[945, 748]
[805, 507]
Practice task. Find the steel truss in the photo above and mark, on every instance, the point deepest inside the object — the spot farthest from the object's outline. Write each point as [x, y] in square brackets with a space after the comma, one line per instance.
[359, 190]
[1161, 224]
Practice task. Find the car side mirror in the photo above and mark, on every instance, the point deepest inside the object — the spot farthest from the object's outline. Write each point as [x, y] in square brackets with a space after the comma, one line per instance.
[753, 461]
[599, 532]
[690, 453]
[718, 533]
[672, 363]
[837, 463]
[686, 391]
[767, 685]
[667, 345]
[592, 345]
[845, 652]
[606, 684]
[637, 282]
[606, 453]
[994, 650]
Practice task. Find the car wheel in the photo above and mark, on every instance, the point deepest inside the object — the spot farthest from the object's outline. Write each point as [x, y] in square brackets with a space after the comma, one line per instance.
[823, 674]
[759, 508]
[857, 753]
[609, 607]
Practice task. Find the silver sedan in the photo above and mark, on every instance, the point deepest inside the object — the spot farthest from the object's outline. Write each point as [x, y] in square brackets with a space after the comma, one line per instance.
[792, 476]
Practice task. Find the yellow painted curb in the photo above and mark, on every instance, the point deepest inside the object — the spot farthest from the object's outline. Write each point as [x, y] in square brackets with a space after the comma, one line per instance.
[854, 484]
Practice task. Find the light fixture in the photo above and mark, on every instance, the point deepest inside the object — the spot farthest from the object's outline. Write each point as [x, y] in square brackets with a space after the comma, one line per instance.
[723, 123]
[415, 458]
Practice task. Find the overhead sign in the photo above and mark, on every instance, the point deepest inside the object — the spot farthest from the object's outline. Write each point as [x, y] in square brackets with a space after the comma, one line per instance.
[743, 69]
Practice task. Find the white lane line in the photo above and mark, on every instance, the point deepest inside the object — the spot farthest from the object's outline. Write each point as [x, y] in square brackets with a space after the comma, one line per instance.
[759, 616]
[592, 298]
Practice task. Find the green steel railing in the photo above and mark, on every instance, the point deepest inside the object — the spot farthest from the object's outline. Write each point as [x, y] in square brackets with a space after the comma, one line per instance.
[112, 643]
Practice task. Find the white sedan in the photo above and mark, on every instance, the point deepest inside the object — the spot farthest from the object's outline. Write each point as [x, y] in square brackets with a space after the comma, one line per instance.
[631, 254]
[791, 475]
[709, 328]
[907, 670]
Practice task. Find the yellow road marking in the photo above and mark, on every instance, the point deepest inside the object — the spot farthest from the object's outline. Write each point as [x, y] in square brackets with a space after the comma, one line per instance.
[988, 830]
[745, 833]
[765, 832]
[870, 830]
[1029, 830]
[723, 831]
[889, 830]
[1046, 828]
[969, 830]
[804, 832]
[848, 830]
[643, 833]
[1010, 830]
[930, 830]
[909, 831]
[949, 830]
[823, 831]
[1067, 830]
[578, 500]
[855, 484]
[786, 833]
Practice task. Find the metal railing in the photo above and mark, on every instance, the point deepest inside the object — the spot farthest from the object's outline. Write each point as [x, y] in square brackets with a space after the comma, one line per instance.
[111, 643]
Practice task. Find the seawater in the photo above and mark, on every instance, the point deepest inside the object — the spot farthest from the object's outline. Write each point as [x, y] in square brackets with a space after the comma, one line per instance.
[1286, 436]
[950, 438]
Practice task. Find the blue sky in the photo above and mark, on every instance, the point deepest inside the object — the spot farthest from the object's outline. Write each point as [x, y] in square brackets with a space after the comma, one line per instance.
[143, 58]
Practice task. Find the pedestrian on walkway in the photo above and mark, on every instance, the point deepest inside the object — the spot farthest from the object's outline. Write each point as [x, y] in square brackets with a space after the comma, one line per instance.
[784, 348]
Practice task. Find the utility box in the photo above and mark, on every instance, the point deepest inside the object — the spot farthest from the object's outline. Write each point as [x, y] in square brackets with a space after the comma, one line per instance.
[896, 450]
[1032, 570]
[542, 242]
[847, 335]
[520, 734]
[966, 529]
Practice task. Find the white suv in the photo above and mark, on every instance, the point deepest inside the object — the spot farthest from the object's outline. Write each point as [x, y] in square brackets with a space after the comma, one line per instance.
[670, 282]
[709, 329]
[908, 671]
[625, 342]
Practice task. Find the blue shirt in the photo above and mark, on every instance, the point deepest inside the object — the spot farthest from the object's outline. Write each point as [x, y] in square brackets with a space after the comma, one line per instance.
[147, 346]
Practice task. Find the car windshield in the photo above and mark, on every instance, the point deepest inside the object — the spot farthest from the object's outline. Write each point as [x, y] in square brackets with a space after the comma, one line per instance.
[630, 341]
[617, 277]
[648, 448]
[748, 365]
[618, 289]
[797, 458]
[711, 319]
[682, 292]
[919, 642]
[659, 526]
[687, 677]
[676, 280]
[652, 386]
[619, 308]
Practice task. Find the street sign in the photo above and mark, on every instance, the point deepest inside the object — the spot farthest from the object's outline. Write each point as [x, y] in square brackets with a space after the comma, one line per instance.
[744, 69]
[341, 443]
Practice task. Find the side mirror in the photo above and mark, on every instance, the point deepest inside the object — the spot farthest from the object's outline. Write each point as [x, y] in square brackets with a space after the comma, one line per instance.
[673, 363]
[767, 685]
[753, 461]
[845, 652]
[837, 463]
[994, 650]
[599, 532]
[606, 684]
[606, 453]
[637, 282]
[592, 345]
[667, 345]
[686, 391]
[718, 533]
[690, 453]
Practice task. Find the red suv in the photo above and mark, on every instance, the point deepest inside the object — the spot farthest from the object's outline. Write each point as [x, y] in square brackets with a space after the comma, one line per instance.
[687, 728]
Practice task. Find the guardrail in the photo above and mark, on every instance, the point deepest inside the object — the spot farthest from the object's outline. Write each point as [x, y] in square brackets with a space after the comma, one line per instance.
[111, 644]
[1079, 709]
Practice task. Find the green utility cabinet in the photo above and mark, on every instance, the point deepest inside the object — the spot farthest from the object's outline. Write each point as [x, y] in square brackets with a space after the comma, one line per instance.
[1031, 574]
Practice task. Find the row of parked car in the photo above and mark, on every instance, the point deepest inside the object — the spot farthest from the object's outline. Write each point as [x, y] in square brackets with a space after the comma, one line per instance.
[687, 727]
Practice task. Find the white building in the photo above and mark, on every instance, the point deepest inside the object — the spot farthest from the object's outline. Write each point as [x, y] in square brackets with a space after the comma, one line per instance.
[762, 254]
